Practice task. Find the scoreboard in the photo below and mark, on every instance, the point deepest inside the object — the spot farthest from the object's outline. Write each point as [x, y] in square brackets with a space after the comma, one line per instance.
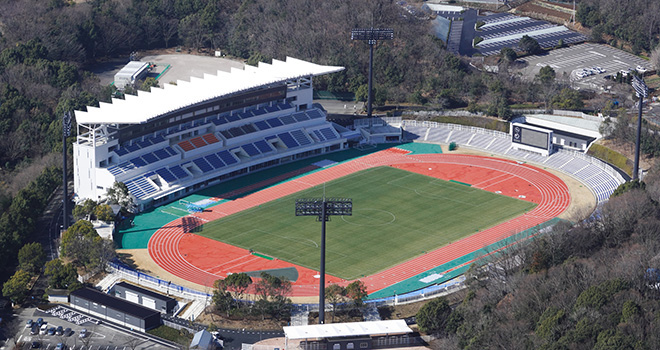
[531, 138]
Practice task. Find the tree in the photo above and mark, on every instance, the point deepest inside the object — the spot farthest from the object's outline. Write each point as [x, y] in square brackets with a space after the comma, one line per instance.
[104, 212]
[118, 194]
[529, 45]
[222, 299]
[272, 292]
[31, 257]
[148, 83]
[84, 210]
[508, 54]
[432, 317]
[16, 288]
[61, 276]
[568, 99]
[334, 294]
[655, 58]
[79, 241]
[237, 284]
[546, 75]
[357, 292]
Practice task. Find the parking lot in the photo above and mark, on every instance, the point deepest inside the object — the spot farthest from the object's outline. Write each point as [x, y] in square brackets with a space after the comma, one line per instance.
[99, 336]
[572, 61]
[505, 30]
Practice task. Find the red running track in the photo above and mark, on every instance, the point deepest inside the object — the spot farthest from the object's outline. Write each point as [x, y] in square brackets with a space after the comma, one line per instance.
[201, 260]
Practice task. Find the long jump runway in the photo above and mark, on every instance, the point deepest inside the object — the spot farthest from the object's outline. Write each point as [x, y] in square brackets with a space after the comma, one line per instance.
[202, 261]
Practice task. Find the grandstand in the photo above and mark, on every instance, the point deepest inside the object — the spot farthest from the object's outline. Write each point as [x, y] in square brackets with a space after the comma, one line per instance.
[170, 142]
[600, 177]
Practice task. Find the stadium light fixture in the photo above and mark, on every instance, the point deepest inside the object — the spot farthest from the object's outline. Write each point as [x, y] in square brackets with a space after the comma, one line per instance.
[642, 91]
[323, 208]
[371, 36]
[66, 132]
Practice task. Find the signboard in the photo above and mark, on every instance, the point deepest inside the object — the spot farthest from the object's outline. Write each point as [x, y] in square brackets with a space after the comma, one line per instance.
[530, 137]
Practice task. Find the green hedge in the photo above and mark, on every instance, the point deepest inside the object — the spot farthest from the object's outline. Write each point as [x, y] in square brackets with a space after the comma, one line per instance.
[611, 156]
[171, 334]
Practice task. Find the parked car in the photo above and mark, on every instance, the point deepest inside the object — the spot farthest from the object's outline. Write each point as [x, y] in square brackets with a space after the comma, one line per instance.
[67, 332]
[60, 346]
[34, 330]
[51, 331]
[43, 329]
[36, 345]
[641, 69]
[83, 333]
[28, 324]
[40, 321]
[59, 330]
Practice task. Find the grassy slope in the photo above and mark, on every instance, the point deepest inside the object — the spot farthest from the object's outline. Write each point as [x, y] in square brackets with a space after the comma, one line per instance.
[396, 215]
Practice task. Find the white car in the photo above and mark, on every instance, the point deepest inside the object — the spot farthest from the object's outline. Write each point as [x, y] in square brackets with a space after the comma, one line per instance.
[641, 69]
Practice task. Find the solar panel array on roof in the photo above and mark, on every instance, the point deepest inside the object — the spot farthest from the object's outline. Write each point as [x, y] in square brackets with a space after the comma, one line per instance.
[150, 158]
[300, 117]
[140, 187]
[315, 113]
[287, 119]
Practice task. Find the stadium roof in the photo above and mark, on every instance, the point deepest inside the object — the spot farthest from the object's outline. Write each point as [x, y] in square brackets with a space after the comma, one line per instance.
[147, 105]
[352, 329]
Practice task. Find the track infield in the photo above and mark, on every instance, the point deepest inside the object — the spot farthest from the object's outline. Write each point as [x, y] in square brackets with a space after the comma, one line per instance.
[397, 215]
[179, 249]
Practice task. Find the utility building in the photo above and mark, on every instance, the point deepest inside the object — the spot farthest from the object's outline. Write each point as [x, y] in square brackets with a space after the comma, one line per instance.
[113, 309]
[144, 297]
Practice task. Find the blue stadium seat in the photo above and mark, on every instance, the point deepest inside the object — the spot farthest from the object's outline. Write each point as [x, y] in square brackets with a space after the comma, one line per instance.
[251, 150]
[262, 125]
[150, 158]
[271, 109]
[300, 117]
[178, 172]
[138, 161]
[315, 113]
[121, 151]
[263, 146]
[166, 175]
[132, 148]
[288, 140]
[220, 121]
[274, 122]
[287, 119]
[227, 157]
[232, 118]
[214, 161]
[259, 111]
[203, 164]
[319, 135]
[329, 135]
[300, 137]
[161, 154]
[144, 143]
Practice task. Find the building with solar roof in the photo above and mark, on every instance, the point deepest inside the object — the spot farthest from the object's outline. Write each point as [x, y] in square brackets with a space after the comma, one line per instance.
[169, 142]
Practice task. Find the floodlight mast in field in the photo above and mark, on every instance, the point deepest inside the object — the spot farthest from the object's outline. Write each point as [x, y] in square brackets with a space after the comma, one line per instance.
[323, 208]
[66, 132]
[642, 91]
[371, 36]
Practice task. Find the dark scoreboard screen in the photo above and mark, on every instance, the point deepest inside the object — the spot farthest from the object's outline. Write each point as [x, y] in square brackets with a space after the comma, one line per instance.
[531, 137]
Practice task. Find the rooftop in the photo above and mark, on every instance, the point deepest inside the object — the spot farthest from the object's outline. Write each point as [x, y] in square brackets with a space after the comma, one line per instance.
[147, 105]
[114, 302]
[352, 329]
[144, 291]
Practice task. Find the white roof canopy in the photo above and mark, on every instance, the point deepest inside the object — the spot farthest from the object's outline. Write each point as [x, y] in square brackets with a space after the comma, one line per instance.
[147, 105]
[347, 329]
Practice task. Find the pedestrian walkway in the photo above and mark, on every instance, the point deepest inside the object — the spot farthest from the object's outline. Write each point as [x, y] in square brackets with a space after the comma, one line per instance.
[299, 316]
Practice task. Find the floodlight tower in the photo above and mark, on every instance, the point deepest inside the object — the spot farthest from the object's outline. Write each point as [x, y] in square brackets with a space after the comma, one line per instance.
[66, 132]
[371, 36]
[323, 208]
[642, 91]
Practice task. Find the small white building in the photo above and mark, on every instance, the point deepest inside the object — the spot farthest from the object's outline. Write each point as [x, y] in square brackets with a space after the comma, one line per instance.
[131, 73]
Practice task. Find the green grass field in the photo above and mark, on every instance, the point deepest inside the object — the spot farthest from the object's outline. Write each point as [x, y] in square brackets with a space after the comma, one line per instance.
[397, 215]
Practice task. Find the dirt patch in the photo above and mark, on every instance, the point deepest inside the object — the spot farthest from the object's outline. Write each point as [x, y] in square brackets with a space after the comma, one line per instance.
[628, 150]
[252, 323]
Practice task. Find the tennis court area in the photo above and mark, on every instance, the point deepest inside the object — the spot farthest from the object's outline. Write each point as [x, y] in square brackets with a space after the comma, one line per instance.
[397, 215]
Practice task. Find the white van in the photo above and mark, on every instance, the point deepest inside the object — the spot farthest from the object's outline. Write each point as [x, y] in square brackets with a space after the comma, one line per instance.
[44, 329]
